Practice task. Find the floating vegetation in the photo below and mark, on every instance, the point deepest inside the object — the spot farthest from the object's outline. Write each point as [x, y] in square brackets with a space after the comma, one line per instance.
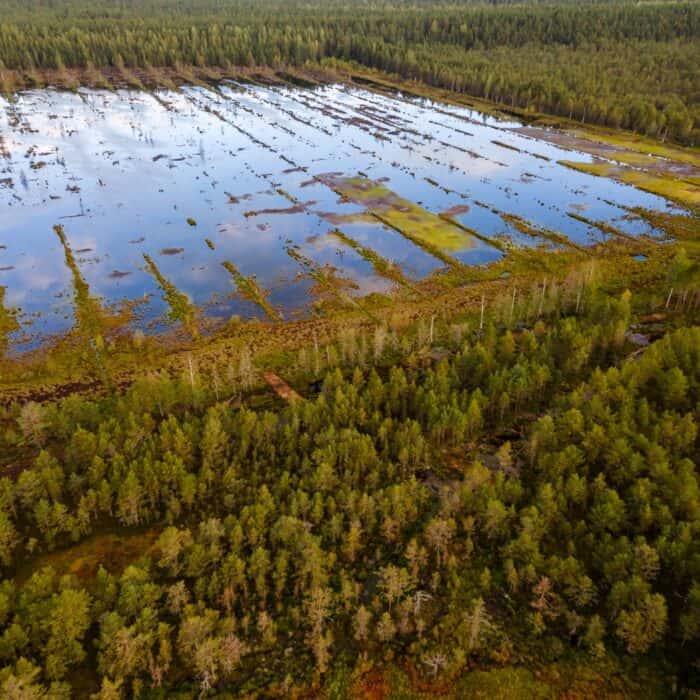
[191, 221]
[237, 199]
[297, 206]
[294, 209]
[446, 190]
[361, 217]
[456, 210]
[248, 288]
[284, 193]
[429, 247]
[682, 191]
[210, 243]
[180, 308]
[630, 142]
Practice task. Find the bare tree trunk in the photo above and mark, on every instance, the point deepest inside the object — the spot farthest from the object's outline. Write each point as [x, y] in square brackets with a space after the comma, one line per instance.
[317, 367]
[544, 289]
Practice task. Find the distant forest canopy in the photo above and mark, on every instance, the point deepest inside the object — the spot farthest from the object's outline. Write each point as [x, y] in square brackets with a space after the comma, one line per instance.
[612, 63]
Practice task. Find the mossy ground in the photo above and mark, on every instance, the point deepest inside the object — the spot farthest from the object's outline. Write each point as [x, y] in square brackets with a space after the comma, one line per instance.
[111, 550]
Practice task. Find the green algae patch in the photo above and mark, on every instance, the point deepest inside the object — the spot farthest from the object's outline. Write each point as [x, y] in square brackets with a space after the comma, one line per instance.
[249, 289]
[427, 230]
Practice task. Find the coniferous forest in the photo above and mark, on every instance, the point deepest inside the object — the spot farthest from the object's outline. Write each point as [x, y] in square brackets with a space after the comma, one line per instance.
[486, 485]
[615, 63]
[510, 490]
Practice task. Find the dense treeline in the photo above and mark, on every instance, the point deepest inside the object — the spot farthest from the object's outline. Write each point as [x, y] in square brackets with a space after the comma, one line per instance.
[377, 517]
[610, 84]
[620, 64]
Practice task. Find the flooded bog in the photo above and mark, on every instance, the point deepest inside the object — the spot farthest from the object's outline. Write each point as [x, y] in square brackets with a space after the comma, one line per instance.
[240, 199]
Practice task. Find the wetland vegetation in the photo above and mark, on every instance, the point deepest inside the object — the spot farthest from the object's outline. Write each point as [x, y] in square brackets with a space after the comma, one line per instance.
[331, 366]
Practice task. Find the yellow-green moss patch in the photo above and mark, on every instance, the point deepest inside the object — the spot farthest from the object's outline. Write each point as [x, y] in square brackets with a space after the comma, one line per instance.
[420, 226]
[676, 190]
